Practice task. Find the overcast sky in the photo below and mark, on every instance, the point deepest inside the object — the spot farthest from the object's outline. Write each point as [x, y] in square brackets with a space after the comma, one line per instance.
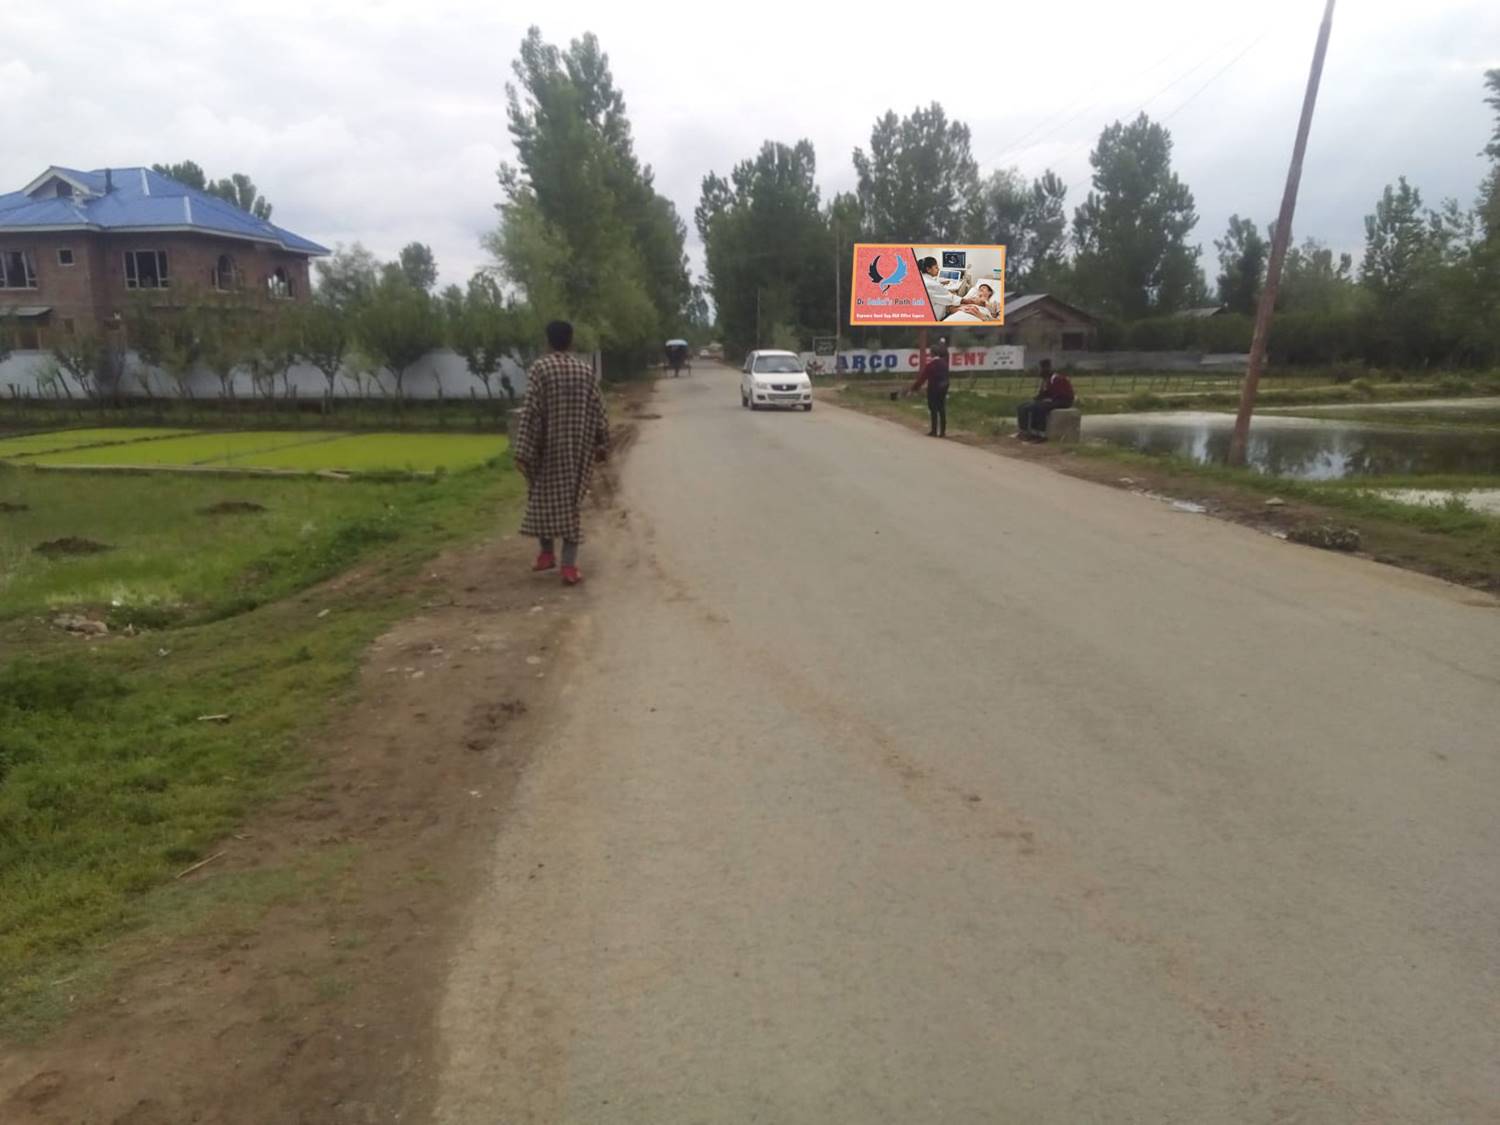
[384, 120]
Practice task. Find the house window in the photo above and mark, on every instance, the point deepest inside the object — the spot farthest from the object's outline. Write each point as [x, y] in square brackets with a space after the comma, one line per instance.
[1074, 341]
[280, 285]
[145, 269]
[67, 326]
[226, 275]
[65, 256]
[17, 270]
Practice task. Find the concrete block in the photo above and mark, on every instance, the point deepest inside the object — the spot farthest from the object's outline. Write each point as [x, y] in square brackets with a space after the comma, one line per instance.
[1065, 424]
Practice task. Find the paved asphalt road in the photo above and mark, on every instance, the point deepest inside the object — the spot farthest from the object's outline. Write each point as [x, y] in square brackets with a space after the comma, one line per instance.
[894, 781]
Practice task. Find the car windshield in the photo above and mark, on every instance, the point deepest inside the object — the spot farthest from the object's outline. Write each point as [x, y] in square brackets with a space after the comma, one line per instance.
[778, 365]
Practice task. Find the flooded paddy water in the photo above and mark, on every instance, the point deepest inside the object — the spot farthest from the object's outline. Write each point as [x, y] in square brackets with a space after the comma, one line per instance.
[1323, 447]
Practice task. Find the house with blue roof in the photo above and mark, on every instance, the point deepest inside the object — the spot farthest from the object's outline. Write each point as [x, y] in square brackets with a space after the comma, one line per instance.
[78, 248]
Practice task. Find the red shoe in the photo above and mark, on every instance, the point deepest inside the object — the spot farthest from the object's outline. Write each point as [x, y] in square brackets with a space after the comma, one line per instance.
[544, 561]
[571, 576]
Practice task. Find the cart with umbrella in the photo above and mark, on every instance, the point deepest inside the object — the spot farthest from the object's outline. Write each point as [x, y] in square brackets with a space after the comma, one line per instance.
[677, 357]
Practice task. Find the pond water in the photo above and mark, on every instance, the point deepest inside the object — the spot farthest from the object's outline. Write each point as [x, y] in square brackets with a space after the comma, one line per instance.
[1432, 411]
[1324, 448]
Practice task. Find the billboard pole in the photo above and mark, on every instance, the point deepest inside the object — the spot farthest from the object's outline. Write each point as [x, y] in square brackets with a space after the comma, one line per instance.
[921, 350]
[1283, 233]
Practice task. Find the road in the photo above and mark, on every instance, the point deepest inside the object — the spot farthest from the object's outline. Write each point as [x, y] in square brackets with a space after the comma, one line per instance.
[894, 781]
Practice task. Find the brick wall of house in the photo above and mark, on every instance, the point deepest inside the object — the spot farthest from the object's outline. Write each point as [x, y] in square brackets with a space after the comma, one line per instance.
[191, 261]
[69, 290]
[90, 293]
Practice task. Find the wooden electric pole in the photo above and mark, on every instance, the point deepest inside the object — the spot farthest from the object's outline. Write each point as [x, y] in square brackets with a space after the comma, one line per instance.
[1279, 238]
[838, 316]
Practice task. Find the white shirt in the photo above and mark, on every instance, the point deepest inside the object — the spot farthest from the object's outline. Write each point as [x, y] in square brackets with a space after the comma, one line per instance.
[939, 294]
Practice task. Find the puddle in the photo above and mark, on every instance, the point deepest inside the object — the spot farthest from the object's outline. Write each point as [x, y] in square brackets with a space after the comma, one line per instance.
[1322, 448]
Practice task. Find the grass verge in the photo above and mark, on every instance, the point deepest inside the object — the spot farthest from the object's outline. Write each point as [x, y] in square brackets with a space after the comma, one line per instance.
[111, 779]
[987, 398]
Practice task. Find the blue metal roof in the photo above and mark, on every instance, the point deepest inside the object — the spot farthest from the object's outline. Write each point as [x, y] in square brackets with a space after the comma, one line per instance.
[137, 199]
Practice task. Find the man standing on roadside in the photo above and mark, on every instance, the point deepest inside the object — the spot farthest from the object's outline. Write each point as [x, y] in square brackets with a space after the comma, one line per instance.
[563, 432]
[935, 375]
[1056, 391]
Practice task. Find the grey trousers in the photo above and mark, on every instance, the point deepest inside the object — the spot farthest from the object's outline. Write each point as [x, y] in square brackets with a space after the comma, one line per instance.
[569, 554]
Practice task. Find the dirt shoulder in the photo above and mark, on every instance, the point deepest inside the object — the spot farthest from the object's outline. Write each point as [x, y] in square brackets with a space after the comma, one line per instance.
[1387, 532]
[306, 990]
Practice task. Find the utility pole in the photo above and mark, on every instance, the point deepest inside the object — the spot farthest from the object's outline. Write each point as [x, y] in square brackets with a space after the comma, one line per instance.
[1283, 233]
[757, 316]
[838, 317]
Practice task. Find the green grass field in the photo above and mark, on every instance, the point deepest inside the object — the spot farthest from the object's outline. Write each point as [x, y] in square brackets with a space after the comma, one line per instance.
[415, 453]
[194, 449]
[308, 451]
[169, 561]
[29, 445]
[109, 784]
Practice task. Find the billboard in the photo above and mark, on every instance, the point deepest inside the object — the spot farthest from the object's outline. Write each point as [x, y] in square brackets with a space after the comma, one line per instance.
[902, 362]
[927, 285]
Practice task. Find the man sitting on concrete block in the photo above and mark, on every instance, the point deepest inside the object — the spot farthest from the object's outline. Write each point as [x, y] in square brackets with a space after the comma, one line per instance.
[1055, 393]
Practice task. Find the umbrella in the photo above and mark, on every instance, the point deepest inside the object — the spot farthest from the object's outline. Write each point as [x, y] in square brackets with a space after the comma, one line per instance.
[677, 343]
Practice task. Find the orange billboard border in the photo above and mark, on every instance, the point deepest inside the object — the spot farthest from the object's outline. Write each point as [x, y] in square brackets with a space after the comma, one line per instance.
[912, 249]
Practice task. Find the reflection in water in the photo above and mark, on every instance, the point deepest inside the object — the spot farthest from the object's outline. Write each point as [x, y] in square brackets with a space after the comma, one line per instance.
[1306, 448]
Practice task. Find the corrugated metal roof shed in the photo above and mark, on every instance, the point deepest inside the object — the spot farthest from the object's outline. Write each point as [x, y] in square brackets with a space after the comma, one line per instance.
[1017, 304]
[135, 199]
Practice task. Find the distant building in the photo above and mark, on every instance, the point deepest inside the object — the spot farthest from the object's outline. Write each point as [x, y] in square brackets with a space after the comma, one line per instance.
[77, 248]
[1203, 312]
[1047, 326]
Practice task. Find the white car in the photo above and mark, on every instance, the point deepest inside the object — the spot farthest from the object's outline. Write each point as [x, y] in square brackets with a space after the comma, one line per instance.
[775, 379]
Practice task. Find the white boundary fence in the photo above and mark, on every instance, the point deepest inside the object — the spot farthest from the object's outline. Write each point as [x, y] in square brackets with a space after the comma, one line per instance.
[439, 374]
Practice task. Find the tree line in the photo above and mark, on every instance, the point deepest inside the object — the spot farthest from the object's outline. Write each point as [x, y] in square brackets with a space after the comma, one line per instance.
[583, 234]
[368, 323]
[1426, 291]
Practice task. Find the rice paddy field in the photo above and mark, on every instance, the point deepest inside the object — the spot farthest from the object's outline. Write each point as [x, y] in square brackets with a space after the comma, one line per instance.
[29, 445]
[292, 451]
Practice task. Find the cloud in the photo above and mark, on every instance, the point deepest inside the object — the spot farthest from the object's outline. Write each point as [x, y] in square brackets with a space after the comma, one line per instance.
[384, 121]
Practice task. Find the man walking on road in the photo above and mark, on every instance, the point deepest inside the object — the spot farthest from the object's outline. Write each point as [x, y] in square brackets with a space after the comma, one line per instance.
[1056, 391]
[563, 432]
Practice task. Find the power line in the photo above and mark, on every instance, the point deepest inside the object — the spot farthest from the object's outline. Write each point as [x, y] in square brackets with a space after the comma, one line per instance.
[1058, 118]
[1218, 74]
[1211, 80]
[1053, 125]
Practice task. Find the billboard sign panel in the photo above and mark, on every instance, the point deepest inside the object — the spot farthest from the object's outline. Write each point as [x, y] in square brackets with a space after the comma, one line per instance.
[929, 285]
[901, 362]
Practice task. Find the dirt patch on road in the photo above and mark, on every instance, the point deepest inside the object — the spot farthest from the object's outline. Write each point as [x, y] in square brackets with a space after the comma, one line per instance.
[319, 1009]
